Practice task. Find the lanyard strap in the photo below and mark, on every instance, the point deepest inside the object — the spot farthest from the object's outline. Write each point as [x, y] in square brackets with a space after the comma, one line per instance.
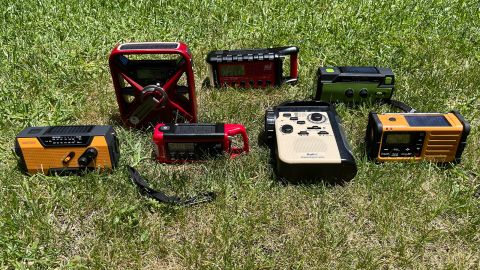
[159, 196]
[400, 105]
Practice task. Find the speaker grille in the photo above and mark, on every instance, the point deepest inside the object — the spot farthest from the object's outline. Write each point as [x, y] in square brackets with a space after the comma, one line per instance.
[305, 145]
[442, 144]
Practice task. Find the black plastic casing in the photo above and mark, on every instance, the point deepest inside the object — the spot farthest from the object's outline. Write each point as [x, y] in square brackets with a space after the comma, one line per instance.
[306, 172]
[463, 139]
[373, 136]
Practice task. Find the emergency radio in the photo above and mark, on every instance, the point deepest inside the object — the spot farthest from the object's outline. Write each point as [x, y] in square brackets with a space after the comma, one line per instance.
[147, 80]
[67, 149]
[253, 68]
[354, 84]
[308, 142]
[176, 143]
[437, 137]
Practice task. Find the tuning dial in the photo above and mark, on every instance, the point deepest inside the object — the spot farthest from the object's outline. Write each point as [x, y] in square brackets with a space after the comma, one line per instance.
[363, 93]
[88, 156]
[287, 129]
[316, 117]
[349, 93]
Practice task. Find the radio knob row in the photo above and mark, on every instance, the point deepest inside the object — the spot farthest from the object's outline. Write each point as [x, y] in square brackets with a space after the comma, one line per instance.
[313, 117]
[287, 129]
[363, 93]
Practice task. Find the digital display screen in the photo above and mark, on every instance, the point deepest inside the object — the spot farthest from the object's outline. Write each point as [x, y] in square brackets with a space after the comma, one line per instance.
[359, 70]
[427, 121]
[398, 138]
[147, 73]
[232, 70]
[181, 147]
[195, 129]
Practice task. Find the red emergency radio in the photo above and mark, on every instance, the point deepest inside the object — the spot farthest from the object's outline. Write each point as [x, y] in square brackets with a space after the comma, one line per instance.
[184, 142]
[153, 82]
[253, 68]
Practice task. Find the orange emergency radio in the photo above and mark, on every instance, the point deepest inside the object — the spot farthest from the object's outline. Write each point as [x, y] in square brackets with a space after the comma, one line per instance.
[437, 137]
[67, 149]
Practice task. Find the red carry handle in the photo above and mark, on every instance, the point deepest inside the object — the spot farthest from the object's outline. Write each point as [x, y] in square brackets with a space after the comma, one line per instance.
[233, 130]
[292, 51]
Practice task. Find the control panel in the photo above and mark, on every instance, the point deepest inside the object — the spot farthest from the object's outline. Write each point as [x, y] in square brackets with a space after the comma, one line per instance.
[74, 140]
[306, 137]
[308, 142]
[402, 144]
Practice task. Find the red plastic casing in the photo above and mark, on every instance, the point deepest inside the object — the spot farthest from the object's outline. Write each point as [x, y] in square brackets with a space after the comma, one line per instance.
[161, 150]
[186, 107]
[258, 68]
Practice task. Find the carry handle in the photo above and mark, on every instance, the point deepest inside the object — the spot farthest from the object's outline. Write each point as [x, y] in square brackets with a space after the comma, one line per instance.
[232, 130]
[292, 51]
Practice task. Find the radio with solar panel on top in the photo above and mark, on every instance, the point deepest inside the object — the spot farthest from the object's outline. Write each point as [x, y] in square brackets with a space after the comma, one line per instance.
[437, 137]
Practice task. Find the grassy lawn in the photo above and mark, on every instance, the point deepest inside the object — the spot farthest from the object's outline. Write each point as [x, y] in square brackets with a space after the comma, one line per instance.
[54, 71]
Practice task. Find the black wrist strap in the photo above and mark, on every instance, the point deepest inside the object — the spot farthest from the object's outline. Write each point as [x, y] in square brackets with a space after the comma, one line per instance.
[142, 184]
[400, 105]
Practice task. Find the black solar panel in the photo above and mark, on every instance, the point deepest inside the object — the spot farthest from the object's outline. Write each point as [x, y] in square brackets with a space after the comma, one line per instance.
[146, 46]
[60, 130]
[358, 70]
[427, 121]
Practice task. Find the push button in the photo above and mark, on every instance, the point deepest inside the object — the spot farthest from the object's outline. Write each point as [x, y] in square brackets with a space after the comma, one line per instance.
[388, 80]
[303, 133]
[294, 118]
[287, 129]
[323, 132]
[300, 122]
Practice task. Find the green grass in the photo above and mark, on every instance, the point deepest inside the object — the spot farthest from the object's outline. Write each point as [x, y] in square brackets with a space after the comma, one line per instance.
[54, 71]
